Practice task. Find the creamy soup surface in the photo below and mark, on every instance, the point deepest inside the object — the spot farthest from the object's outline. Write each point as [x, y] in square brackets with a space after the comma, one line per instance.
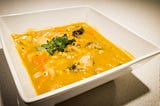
[59, 56]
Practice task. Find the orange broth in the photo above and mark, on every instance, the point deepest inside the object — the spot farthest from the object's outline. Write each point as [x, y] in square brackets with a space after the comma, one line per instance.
[89, 55]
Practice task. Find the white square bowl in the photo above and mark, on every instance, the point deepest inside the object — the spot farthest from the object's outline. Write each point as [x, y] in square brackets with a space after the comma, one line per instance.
[18, 23]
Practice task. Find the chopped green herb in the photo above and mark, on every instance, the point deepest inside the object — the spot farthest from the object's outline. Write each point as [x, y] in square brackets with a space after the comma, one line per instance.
[39, 48]
[57, 43]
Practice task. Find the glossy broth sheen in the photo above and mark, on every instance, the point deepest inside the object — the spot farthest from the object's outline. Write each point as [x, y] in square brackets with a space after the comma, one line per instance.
[89, 55]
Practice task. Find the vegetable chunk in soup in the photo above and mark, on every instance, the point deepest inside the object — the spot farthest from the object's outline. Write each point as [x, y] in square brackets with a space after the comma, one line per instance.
[59, 56]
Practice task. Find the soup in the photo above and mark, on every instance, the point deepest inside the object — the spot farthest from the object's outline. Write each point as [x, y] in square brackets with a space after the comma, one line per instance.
[59, 56]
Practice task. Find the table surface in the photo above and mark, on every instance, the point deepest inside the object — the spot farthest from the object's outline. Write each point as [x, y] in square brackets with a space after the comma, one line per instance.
[141, 87]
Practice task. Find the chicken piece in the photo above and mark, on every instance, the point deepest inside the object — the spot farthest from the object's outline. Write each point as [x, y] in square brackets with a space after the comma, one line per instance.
[82, 64]
[42, 40]
[94, 45]
[86, 61]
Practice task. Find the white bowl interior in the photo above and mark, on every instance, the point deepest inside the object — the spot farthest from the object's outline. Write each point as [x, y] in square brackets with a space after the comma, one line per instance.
[43, 19]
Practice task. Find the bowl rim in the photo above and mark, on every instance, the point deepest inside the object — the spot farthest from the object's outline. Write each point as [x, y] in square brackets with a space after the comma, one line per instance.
[75, 84]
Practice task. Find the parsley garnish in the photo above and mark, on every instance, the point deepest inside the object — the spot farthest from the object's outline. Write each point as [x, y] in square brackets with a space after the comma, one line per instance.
[57, 43]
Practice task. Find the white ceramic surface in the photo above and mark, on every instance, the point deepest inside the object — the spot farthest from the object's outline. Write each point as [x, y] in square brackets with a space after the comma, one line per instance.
[140, 48]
